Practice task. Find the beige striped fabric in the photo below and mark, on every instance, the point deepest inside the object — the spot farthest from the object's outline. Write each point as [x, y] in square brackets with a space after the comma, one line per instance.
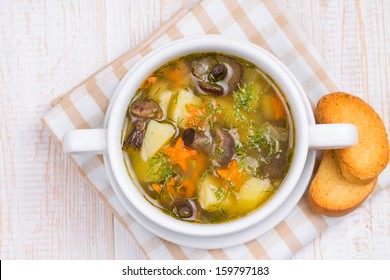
[261, 22]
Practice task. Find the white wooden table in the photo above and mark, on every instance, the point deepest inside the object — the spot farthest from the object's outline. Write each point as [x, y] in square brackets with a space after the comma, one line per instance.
[48, 210]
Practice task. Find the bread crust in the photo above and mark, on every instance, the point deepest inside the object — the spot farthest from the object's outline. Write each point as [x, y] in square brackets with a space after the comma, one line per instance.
[363, 162]
[330, 212]
[330, 194]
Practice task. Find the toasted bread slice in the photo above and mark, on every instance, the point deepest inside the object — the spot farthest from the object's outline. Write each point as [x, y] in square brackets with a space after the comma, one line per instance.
[330, 194]
[364, 161]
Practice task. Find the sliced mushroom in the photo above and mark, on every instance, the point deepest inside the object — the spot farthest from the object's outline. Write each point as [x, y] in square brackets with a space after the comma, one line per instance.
[218, 72]
[178, 204]
[136, 135]
[197, 140]
[214, 89]
[224, 148]
[146, 108]
[237, 74]
[182, 207]
[275, 169]
[201, 68]
[218, 76]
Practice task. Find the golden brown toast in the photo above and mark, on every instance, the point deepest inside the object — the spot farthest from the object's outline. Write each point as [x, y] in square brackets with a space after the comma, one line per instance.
[330, 194]
[363, 162]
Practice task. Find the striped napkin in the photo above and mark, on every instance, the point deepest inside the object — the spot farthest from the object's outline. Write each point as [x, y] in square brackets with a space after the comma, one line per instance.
[261, 22]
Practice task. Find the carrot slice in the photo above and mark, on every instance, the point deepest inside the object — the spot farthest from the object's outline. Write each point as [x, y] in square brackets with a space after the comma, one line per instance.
[278, 108]
[176, 76]
[156, 187]
[179, 154]
[191, 183]
[148, 82]
[233, 174]
[196, 113]
[169, 188]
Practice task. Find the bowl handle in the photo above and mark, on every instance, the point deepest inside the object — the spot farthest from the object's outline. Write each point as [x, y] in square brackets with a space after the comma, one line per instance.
[85, 141]
[332, 136]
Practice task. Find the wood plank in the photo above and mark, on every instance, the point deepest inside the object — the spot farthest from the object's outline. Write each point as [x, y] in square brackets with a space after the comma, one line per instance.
[128, 24]
[351, 38]
[125, 246]
[48, 211]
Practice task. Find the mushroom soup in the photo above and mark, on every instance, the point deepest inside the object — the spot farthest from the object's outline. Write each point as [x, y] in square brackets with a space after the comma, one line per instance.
[209, 138]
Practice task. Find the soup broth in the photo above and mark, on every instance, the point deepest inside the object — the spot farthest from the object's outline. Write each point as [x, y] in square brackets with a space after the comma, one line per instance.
[209, 137]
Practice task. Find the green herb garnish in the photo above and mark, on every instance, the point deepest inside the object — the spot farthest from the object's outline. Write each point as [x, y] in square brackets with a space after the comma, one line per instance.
[242, 155]
[157, 91]
[264, 140]
[243, 99]
[161, 169]
[203, 113]
[179, 121]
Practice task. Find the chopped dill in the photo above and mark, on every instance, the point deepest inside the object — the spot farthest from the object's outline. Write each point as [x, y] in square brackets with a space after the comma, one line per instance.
[242, 155]
[209, 170]
[243, 99]
[206, 112]
[157, 91]
[204, 175]
[221, 194]
[264, 141]
[246, 162]
[175, 98]
[179, 121]
[171, 196]
[193, 162]
[161, 169]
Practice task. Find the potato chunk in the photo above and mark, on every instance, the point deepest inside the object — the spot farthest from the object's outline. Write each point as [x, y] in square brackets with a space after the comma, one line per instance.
[206, 195]
[254, 192]
[178, 111]
[209, 196]
[164, 98]
[156, 136]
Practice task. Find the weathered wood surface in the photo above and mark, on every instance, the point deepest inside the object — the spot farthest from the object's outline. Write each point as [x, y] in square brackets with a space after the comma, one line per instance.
[48, 210]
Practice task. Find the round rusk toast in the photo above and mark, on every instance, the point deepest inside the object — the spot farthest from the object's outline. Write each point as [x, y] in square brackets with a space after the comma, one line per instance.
[330, 194]
[363, 162]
